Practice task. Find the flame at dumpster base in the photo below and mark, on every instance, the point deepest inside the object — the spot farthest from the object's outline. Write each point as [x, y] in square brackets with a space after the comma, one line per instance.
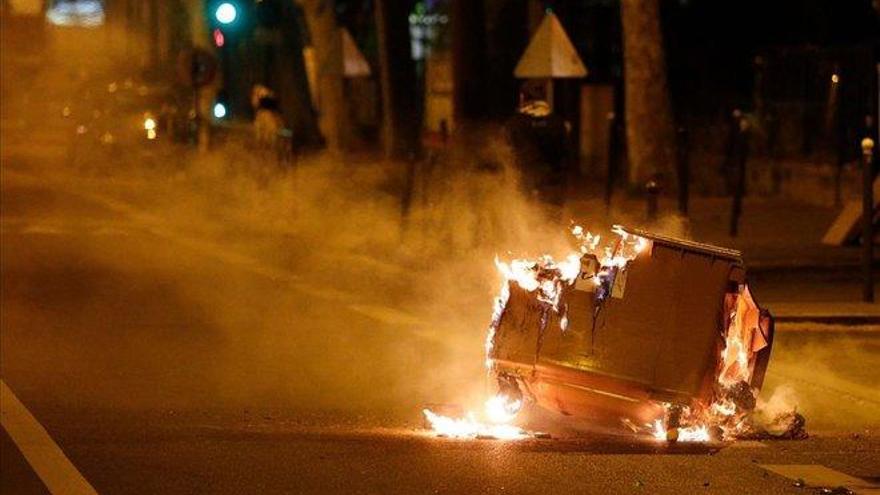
[686, 434]
[499, 413]
[731, 414]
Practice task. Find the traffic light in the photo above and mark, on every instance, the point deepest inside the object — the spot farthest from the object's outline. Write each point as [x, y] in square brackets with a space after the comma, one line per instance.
[226, 13]
[231, 28]
[219, 110]
[219, 38]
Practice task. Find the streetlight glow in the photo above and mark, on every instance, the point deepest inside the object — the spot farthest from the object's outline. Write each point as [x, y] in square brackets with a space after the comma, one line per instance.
[226, 13]
[219, 110]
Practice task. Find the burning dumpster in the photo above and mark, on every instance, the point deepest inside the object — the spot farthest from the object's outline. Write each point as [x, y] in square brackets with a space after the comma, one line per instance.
[654, 330]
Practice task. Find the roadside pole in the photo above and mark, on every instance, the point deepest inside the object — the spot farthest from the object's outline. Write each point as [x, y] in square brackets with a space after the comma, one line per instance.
[611, 175]
[652, 193]
[684, 172]
[203, 132]
[868, 219]
[740, 155]
[197, 68]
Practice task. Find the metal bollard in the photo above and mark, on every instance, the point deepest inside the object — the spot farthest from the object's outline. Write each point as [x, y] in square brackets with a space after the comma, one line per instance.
[741, 156]
[611, 171]
[652, 188]
[868, 219]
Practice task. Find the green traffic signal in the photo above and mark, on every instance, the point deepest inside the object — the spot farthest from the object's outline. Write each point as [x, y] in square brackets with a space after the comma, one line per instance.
[226, 13]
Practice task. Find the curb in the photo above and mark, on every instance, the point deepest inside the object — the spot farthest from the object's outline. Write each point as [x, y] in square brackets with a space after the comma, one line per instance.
[845, 320]
[840, 314]
[872, 329]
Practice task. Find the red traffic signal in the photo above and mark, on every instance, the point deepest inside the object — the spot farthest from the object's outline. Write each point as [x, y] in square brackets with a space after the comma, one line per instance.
[219, 38]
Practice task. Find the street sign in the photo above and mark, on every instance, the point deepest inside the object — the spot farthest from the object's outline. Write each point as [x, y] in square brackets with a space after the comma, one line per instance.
[550, 54]
[196, 67]
[354, 63]
[845, 228]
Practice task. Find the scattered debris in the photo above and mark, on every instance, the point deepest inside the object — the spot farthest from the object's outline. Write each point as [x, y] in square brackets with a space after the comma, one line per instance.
[784, 426]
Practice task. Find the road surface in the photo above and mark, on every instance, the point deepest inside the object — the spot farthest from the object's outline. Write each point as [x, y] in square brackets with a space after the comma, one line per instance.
[158, 368]
[153, 342]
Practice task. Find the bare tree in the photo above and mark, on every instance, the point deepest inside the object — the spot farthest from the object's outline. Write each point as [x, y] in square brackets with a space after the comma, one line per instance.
[649, 125]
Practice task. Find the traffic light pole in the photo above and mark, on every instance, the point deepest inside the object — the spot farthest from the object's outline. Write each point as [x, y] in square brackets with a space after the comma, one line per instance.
[868, 219]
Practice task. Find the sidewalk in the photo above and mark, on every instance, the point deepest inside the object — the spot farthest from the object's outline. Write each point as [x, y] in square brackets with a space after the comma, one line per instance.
[806, 285]
[827, 313]
[774, 233]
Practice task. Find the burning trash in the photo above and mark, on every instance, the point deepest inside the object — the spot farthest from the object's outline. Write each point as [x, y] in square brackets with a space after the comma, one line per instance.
[662, 333]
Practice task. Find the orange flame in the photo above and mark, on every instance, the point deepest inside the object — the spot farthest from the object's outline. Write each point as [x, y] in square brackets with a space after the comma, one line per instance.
[735, 370]
[546, 278]
[499, 411]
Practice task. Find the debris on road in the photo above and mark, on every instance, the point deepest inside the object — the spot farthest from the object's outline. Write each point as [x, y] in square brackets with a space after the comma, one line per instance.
[788, 425]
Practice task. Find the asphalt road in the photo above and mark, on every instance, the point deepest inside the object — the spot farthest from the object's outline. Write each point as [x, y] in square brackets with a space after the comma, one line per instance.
[146, 350]
[160, 368]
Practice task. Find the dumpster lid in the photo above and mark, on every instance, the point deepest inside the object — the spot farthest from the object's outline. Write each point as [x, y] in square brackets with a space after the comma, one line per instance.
[709, 249]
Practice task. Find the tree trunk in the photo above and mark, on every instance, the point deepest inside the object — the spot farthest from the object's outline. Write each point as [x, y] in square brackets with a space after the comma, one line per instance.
[290, 76]
[329, 94]
[649, 125]
[469, 67]
[397, 78]
[507, 36]
[198, 23]
[152, 27]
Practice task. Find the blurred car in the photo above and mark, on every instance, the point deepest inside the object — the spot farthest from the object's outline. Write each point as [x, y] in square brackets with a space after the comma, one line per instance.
[82, 13]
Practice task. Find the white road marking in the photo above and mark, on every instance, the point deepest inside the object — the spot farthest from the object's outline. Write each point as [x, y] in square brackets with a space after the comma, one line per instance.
[817, 475]
[44, 455]
[43, 229]
[53, 226]
[386, 314]
[746, 444]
